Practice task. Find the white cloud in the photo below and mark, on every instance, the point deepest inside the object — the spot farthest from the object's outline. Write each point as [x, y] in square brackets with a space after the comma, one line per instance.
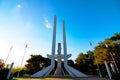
[47, 24]
[19, 6]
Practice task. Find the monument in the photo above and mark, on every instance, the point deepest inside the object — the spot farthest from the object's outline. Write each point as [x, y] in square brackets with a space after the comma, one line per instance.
[60, 71]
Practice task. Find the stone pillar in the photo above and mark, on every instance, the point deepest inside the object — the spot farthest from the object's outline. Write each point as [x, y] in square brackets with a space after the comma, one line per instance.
[59, 56]
[64, 45]
[108, 70]
[8, 76]
[58, 71]
[53, 43]
[112, 66]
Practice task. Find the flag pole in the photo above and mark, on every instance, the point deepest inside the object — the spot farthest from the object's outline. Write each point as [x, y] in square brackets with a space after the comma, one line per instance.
[8, 54]
[22, 59]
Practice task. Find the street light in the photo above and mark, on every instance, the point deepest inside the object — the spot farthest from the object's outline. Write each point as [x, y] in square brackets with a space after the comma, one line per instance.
[98, 68]
[97, 63]
[22, 59]
[112, 57]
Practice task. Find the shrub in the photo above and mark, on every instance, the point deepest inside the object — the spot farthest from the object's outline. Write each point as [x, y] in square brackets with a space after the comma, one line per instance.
[3, 74]
[116, 76]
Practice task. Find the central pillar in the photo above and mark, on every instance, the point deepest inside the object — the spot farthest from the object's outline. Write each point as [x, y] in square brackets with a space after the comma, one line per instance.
[59, 71]
[59, 56]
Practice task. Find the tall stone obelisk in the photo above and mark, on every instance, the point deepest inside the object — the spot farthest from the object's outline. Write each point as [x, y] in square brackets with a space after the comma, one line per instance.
[64, 44]
[53, 43]
[72, 72]
[46, 71]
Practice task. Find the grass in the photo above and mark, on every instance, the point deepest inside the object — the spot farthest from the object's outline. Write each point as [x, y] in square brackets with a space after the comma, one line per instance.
[44, 79]
[60, 79]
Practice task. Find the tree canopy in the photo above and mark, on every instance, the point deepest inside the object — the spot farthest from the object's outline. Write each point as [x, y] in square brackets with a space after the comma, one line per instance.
[104, 51]
[36, 63]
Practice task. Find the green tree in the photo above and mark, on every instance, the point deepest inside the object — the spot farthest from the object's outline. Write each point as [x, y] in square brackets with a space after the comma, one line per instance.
[102, 52]
[36, 63]
[101, 55]
[85, 62]
[88, 62]
[81, 59]
[107, 49]
[115, 37]
[116, 48]
[22, 71]
[82, 63]
[71, 63]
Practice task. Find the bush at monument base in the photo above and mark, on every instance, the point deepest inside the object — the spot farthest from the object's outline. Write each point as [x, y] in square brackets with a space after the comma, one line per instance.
[4, 73]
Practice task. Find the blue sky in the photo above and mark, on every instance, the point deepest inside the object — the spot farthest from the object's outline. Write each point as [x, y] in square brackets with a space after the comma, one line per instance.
[31, 21]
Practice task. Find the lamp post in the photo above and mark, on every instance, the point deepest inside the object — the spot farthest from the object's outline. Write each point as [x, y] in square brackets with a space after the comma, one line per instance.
[97, 63]
[98, 68]
[22, 59]
[112, 58]
[8, 54]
